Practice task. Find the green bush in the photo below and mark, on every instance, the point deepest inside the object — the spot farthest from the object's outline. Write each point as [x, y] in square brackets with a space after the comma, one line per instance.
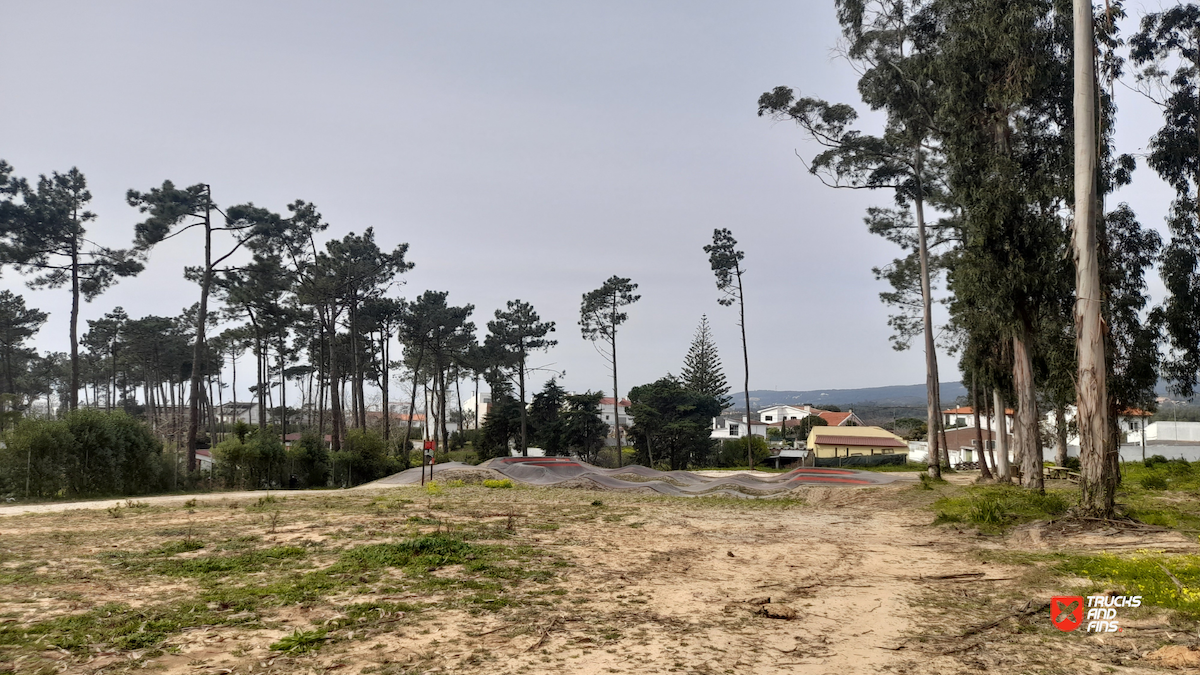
[733, 452]
[1155, 459]
[1154, 482]
[88, 452]
[310, 460]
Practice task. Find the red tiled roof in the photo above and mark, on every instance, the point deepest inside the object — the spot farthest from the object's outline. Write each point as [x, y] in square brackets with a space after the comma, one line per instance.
[869, 441]
[968, 410]
[834, 418]
[608, 400]
[1135, 412]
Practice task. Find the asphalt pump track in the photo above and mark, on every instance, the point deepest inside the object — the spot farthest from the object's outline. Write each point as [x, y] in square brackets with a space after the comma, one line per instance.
[567, 472]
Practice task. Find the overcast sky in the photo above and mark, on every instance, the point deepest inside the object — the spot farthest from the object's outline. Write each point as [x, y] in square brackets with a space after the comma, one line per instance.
[523, 149]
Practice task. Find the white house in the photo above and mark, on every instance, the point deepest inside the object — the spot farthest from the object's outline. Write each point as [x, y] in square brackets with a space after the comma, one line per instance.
[476, 408]
[1130, 421]
[777, 415]
[232, 412]
[964, 416]
[736, 427]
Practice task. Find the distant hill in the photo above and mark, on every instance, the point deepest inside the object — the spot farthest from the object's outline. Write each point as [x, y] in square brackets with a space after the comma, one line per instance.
[898, 395]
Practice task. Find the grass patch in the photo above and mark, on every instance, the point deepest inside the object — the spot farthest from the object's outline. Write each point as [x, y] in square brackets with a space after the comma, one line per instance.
[428, 551]
[115, 624]
[301, 642]
[503, 483]
[1172, 582]
[996, 507]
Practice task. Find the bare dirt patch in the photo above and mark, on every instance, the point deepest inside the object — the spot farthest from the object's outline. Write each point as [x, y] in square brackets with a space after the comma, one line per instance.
[534, 580]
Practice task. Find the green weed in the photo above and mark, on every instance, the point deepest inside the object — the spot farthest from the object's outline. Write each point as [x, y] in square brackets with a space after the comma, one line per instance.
[502, 483]
[999, 506]
[301, 642]
[1164, 581]
[429, 550]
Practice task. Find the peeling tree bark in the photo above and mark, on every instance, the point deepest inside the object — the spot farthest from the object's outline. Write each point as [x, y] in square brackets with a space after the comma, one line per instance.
[1096, 488]
[1002, 473]
[1028, 445]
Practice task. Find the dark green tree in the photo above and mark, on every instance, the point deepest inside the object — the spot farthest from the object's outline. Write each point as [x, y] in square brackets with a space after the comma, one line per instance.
[702, 371]
[672, 424]
[583, 430]
[49, 240]
[18, 324]
[1167, 52]
[517, 332]
[600, 314]
[546, 419]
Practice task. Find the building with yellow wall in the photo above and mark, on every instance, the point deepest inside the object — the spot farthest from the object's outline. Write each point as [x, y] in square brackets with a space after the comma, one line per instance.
[832, 442]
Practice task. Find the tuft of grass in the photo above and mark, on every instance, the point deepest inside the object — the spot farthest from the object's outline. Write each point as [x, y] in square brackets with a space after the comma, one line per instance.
[301, 642]
[428, 550]
[213, 565]
[502, 483]
[181, 546]
[1153, 482]
[114, 624]
[996, 507]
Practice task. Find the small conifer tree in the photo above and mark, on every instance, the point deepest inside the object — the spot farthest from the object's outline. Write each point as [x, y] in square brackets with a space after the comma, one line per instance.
[702, 371]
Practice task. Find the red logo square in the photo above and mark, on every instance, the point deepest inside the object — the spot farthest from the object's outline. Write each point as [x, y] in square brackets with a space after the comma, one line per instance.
[1066, 612]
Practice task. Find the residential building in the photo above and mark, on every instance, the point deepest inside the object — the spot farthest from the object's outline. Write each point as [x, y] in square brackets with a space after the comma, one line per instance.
[726, 427]
[476, 409]
[847, 442]
[777, 415]
[234, 411]
[964, 416]
[1130, 422]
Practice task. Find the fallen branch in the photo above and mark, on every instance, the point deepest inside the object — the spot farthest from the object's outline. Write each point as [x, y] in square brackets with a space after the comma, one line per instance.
[1178, 585]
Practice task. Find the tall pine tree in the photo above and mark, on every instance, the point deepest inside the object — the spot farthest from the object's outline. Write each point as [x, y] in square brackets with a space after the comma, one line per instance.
[702, 372]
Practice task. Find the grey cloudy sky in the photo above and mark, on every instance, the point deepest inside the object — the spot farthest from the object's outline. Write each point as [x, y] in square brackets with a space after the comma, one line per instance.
[523, 149]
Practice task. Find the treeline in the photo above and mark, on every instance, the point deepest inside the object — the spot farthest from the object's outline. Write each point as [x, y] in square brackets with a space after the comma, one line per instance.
[1000, 186]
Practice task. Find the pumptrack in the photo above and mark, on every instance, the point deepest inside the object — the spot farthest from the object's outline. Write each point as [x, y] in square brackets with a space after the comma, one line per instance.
[567, 472]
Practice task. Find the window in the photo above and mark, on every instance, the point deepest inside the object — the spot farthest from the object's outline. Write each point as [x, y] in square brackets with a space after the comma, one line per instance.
[733, 430]
[769, 418]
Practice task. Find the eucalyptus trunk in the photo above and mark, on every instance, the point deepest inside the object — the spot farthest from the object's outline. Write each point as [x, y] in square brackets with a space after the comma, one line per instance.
[1029, 446]
[1002, 473]
[932, 393]
[1096, 487]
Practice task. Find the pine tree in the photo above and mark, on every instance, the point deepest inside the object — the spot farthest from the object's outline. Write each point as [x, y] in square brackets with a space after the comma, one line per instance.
[702, 371]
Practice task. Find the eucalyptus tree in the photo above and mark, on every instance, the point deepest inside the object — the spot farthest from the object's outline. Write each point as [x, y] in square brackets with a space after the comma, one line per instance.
[48, 238]
[726, 262]
[1004, 82]
[1166, 51]
[516, 332]
[889, 44]
[599, 317]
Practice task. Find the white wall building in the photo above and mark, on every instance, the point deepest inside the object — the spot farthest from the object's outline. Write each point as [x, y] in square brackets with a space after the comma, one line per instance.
[1173, 431]
[736, 427]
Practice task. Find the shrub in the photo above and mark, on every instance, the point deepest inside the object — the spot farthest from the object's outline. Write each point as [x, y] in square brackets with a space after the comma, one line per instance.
[311, 460]
[733, 452]
[493, 483]
[1155, 459]
[1154, 482]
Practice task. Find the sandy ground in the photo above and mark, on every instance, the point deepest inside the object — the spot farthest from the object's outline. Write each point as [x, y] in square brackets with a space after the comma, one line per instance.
[666, 585]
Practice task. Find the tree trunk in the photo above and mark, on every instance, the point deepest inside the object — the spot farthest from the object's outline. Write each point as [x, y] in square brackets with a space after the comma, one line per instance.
[74, 397]
[198, 346]
[984, 472]
[1060, 435]
[412, 405]
[932, 386]
[1096, 489]
[521, 387]
[335, 402]
[1029, 444]
[617, 394]
[1002, 473]
[746, 365]
[383, 385]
